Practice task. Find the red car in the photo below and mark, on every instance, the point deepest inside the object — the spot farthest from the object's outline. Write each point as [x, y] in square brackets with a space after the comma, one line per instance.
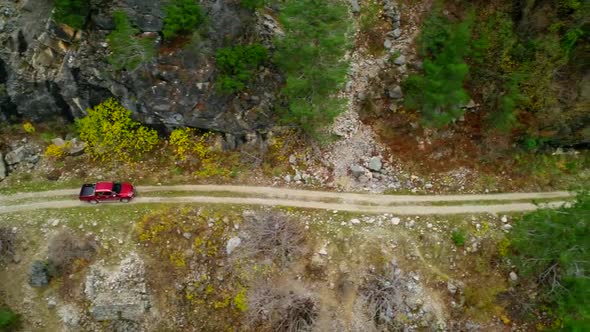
[107, 192]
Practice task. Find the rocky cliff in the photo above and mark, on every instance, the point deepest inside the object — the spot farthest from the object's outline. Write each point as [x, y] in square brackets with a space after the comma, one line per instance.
[49, 70]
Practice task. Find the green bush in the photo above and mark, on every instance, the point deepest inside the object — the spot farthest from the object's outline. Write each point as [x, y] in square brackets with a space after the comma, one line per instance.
[438, 91]
[553, 248]
[311, 54]
[9, 320]
[237, 65]
[112, 135]
[458, 237]
[253, 4]
[127, 50]
[182, 17]
[72, 12]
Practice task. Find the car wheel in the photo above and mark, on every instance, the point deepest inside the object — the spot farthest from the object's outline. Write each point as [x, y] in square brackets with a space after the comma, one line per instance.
[124, 200]
[93, 201]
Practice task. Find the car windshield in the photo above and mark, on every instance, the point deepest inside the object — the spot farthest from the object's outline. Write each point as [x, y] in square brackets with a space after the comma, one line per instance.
[117, 187]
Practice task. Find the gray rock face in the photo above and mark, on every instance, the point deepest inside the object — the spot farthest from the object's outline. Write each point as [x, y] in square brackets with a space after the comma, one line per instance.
[375, 164]
[39, 276]
[51, 71]
[3, 172]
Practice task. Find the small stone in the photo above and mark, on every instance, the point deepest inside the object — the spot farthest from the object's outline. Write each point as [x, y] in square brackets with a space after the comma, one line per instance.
[507, 227]
[504, 219]
[396, 33]
[51, 303]
[323, 251]
[232, 244]
[429, 225]
[375, 164]
[357, 170]
[355, 221]
[387, 44]
[287, 178]
[292, 159]
[400, 61]
[187, 235]
[395, 221]
[395, 92]
[513, 276]
[428, 186]
[452, 288]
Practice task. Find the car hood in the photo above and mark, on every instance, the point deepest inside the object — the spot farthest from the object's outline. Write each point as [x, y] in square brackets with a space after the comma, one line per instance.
[126, 189]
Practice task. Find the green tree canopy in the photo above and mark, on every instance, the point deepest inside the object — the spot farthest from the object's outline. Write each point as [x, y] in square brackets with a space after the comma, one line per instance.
[182, 17]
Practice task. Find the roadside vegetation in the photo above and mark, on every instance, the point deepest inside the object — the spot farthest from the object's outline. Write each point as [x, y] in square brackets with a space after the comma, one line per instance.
[551, 248]
[112, 135]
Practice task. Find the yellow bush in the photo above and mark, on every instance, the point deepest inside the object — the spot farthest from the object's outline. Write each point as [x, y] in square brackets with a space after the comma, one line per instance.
[111, 134]
[57, 152]
[28, 128]
[185, 143]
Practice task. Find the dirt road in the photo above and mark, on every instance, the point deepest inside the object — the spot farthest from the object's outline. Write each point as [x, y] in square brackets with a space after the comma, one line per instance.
[271, 196]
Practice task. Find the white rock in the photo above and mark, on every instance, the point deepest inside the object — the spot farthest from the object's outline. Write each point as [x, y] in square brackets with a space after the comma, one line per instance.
[355, 221]
[232, 244]
[395, 221]
[513, 276]
[504, 219]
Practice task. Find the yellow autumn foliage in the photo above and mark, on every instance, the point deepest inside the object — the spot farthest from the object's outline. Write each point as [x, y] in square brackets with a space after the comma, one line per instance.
[112, 135]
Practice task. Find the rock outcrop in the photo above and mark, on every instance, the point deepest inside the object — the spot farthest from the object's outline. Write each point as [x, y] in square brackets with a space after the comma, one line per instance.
[48, 70]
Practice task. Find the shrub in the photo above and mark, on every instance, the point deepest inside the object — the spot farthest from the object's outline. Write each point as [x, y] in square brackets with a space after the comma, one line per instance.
[273, 235]
[311, 54]
[72, 12]
[127, 50]
[112, 135]
[253, 4]
[438, 92]
[458, 237]
[552, 247]
[66, 248]
[185, 142]
[9, 320]
[182, 17]
[237, 65]
[28, 128]
[57, 152]
[280, 309]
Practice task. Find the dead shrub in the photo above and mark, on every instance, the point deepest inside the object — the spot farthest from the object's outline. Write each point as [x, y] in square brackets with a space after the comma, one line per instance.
[279, 309]
[382, 293]
[67, 250]
[273, 235]
[7, 245]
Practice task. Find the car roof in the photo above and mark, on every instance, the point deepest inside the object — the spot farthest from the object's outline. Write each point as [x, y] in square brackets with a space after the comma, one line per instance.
[104, 186]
